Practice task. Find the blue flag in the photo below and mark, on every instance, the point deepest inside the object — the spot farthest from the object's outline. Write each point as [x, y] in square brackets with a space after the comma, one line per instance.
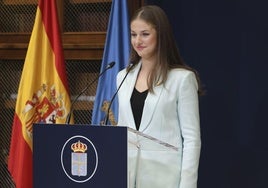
[117, 49]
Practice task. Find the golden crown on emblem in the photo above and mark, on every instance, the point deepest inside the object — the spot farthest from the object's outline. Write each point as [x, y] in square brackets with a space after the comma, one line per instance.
[79, 147]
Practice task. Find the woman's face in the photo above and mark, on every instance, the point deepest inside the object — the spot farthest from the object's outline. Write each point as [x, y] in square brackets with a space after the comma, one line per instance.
[143, 38]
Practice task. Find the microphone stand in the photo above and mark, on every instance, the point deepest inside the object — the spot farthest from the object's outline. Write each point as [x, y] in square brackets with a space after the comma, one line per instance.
[109, 107]
[68, 118]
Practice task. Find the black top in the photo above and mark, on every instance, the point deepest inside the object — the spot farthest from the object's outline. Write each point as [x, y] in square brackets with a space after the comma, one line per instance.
[137, 103]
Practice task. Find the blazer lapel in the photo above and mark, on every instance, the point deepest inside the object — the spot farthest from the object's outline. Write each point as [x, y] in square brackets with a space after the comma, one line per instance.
[130, 84]
[149, 107]
[149, 104]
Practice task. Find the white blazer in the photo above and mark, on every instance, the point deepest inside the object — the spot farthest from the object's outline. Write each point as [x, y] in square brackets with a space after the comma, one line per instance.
[171, 115]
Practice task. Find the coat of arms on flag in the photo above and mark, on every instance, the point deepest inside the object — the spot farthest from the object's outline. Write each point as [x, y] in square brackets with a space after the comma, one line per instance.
[46, 106]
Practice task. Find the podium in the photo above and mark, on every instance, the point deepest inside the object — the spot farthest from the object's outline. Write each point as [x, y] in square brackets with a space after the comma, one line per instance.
[101, 156]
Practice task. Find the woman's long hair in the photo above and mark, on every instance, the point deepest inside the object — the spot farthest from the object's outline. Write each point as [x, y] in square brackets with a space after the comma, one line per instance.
[168, 55]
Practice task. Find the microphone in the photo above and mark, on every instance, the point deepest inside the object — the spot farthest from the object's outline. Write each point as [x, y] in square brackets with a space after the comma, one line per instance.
[109, 107]
[68, 118]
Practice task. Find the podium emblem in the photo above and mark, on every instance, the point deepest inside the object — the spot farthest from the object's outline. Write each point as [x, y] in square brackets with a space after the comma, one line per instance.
[79, 159]
[75, 160]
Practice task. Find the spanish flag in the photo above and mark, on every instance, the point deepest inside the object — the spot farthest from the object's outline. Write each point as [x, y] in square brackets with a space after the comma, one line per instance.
[43, 94]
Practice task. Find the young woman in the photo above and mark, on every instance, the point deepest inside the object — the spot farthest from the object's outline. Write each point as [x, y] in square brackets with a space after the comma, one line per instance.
[159, 97]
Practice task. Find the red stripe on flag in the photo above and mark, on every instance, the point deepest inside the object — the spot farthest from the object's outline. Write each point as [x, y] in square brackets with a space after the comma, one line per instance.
[48, 10]
[20, 149]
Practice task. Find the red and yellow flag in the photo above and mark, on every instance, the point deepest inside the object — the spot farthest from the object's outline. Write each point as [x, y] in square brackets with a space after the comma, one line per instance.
[43, 94]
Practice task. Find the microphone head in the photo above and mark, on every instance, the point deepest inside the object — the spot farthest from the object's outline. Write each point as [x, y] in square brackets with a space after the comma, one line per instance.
[110, 65]
[130, 66]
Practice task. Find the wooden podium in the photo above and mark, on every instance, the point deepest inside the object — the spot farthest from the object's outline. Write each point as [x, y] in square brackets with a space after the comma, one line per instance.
[101, 156]
[79, 156]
